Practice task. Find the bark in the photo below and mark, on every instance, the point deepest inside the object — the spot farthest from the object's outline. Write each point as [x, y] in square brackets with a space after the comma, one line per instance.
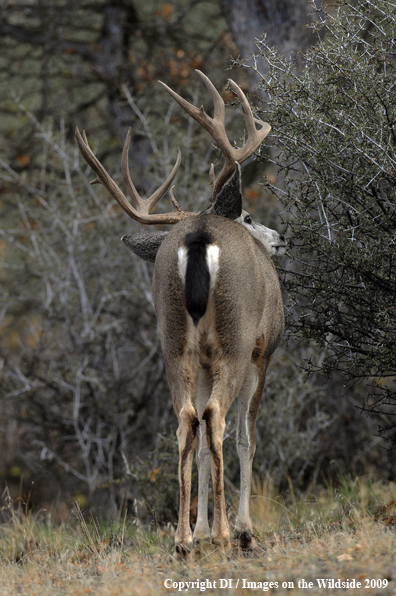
[283, 21]
[111, 65]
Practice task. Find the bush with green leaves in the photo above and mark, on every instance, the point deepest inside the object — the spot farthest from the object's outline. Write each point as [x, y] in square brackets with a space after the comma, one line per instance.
[333, 118]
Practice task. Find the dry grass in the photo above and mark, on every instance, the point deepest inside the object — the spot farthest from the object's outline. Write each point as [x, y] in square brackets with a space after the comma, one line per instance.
[344, 533]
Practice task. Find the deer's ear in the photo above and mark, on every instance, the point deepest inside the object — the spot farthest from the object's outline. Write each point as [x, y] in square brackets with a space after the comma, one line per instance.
[145, 244]
[228, 202]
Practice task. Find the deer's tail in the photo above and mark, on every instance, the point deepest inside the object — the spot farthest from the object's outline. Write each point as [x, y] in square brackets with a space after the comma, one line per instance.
[197, 280]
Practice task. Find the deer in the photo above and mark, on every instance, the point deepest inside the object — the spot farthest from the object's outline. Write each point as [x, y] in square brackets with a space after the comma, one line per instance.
[219, 306]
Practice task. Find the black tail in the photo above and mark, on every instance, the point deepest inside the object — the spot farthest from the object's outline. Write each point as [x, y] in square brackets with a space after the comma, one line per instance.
[197, 274]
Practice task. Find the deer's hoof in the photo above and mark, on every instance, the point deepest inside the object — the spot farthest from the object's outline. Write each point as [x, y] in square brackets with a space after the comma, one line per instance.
[202, 546]
[223, 545]
[245, 540]
[182, 551]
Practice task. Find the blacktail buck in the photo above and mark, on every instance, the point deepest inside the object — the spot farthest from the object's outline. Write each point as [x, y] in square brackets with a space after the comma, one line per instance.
[220, 313]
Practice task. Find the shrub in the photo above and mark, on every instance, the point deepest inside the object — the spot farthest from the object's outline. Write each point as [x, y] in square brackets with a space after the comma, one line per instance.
[333, 117]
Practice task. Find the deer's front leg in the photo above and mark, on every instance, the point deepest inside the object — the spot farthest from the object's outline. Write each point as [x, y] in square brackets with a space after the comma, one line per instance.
[226, 387]
[202, 531]
[248, 405]
[186, 434]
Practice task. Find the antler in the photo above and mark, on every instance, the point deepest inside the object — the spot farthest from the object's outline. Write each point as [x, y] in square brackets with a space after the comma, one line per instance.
[216, 128]
[140, 208]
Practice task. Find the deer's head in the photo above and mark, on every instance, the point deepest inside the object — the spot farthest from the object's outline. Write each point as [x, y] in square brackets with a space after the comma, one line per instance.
[227, 190]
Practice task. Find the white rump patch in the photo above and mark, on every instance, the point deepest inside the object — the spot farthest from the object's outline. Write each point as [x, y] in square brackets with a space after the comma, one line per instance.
[182, 260]
[212, 260]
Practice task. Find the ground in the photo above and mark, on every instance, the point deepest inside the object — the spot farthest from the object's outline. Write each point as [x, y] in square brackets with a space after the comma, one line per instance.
[346, 533]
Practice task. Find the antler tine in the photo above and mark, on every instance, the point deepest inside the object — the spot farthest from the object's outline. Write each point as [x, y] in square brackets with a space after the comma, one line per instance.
[158, 194]
[216, 128]
[141, 207]
[145, 205]
[102, 176]
[255, 137]
[133, 193]
[218, 102]
[215, 125]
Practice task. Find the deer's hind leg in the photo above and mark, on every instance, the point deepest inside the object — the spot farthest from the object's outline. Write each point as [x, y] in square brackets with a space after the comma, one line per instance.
[202, 531]
[183, 384]
[248, 405]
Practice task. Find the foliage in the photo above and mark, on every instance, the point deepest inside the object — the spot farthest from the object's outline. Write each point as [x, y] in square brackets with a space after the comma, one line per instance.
[334, 140]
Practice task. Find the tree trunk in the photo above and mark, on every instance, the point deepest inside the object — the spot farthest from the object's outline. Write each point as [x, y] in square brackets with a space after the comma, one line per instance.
[283, 21]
